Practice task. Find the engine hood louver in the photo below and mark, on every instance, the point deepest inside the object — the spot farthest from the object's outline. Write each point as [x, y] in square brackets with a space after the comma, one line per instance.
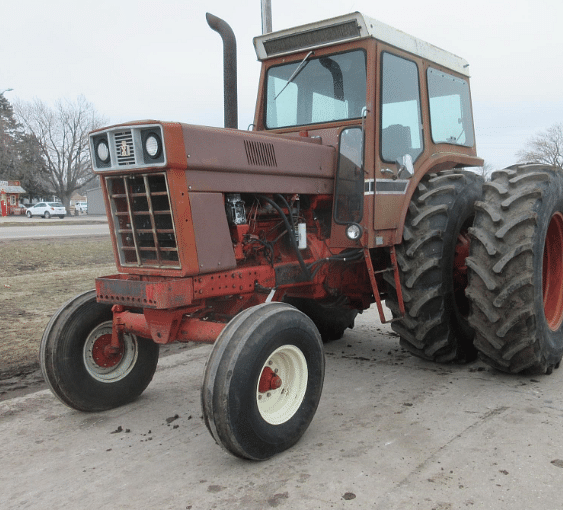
[260, 153]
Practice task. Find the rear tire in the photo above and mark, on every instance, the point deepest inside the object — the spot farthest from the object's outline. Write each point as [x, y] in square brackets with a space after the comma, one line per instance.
[46, 215]
[331, 319]
[432, 270]
[79, 370]
[516, 270]
[246, 409]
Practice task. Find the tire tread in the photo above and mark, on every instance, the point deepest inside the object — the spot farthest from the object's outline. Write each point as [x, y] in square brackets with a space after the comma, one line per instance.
[505, 288]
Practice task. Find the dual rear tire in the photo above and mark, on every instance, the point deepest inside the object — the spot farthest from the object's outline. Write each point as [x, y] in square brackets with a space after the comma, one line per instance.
[516, 270]
[432, 270]
[482, 269]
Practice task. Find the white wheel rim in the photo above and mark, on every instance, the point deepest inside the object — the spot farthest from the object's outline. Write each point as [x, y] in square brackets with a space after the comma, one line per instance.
[117, 371]
[277, 406]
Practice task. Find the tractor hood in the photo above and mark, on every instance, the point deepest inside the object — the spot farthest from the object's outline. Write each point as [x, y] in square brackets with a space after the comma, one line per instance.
[242, 161]
[217, 159]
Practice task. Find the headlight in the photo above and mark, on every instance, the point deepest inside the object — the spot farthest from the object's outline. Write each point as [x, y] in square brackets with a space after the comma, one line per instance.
[354, 231]
[153, 145]
[102, 150]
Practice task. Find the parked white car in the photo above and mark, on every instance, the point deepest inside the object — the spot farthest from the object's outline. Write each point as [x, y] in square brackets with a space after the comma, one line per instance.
[82, 207]
[46, 210]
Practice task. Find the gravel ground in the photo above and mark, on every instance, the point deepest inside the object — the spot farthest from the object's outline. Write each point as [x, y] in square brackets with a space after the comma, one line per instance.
[36, 278]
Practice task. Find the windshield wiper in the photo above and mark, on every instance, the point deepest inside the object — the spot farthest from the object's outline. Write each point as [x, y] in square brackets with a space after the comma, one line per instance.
[300, 68]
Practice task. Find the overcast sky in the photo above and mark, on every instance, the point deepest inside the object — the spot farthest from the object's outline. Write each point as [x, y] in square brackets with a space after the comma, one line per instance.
[158, 59]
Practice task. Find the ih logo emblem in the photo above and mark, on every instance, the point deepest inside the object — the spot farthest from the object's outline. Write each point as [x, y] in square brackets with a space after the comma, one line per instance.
[125, 149]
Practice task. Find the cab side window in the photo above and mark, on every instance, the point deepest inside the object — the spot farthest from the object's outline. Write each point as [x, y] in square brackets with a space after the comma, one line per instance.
[451, 120]
[401, 120]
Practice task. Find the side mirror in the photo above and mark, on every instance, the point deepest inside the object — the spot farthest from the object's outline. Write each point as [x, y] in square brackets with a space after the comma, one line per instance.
[349, 185]
[405, 167]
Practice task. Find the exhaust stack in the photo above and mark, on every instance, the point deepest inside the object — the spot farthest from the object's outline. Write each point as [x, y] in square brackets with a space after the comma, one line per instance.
[230, 101]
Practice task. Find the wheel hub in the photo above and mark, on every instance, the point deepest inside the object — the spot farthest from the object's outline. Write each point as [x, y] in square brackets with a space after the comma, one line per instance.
[460, 272]
[102, 361]
[552, 273]
[104, 354]
[282, 384]
[268, 381]
[461, 253]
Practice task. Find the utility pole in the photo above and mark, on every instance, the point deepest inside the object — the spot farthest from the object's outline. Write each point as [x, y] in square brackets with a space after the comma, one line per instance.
[266, 16]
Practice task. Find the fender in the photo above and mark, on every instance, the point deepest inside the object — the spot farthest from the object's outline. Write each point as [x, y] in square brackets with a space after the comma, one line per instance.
[436, 163]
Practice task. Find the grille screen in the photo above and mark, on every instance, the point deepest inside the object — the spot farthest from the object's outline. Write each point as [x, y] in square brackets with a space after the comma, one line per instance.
[312, 38]
[124, 146]
[143, 222]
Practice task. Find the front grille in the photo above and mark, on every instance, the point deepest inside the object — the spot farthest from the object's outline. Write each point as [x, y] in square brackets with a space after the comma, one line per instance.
[124, 147]
[143, 220]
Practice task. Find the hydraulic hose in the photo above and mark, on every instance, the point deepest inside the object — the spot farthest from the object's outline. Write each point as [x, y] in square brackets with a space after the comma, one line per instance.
[341, 257]
[290, 232]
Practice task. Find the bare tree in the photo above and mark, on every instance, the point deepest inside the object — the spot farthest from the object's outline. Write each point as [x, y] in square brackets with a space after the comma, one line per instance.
[8, 127]
[485, 171]
[545, 147]
[20, 155]
[62, 133]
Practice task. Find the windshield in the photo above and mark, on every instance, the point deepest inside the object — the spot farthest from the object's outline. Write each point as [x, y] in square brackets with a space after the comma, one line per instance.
[316, 90]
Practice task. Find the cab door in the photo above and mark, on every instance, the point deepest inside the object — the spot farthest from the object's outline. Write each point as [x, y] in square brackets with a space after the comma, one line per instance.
[401, 136]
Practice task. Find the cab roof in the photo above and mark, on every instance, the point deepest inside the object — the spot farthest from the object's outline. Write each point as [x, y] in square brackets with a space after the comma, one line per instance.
[351, 27]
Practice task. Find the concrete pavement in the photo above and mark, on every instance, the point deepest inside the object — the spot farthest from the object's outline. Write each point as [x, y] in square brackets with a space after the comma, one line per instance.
[18, 227]
[24, 220]
[391, 432]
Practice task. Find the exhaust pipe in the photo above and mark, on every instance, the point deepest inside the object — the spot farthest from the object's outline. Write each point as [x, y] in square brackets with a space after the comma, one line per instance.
[230, 101]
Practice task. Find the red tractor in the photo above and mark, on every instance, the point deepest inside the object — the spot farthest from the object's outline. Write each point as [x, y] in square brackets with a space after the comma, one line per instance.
[349, 190]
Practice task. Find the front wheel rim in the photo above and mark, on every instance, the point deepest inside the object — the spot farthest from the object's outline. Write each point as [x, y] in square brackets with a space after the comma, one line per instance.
[280, 395]
[552, 273]
[103, 365]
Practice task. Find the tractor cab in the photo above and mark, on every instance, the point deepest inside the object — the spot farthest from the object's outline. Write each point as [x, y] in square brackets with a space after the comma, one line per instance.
[409, 100]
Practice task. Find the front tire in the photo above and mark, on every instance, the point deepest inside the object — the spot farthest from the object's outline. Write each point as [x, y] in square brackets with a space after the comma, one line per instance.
[516, 270]
[432, 268]
[263, 381]
[78, 366]
[29, 215]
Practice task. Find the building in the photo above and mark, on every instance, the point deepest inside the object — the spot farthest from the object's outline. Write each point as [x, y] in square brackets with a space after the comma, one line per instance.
[10, 192]
[96, 203]
[77, 197]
